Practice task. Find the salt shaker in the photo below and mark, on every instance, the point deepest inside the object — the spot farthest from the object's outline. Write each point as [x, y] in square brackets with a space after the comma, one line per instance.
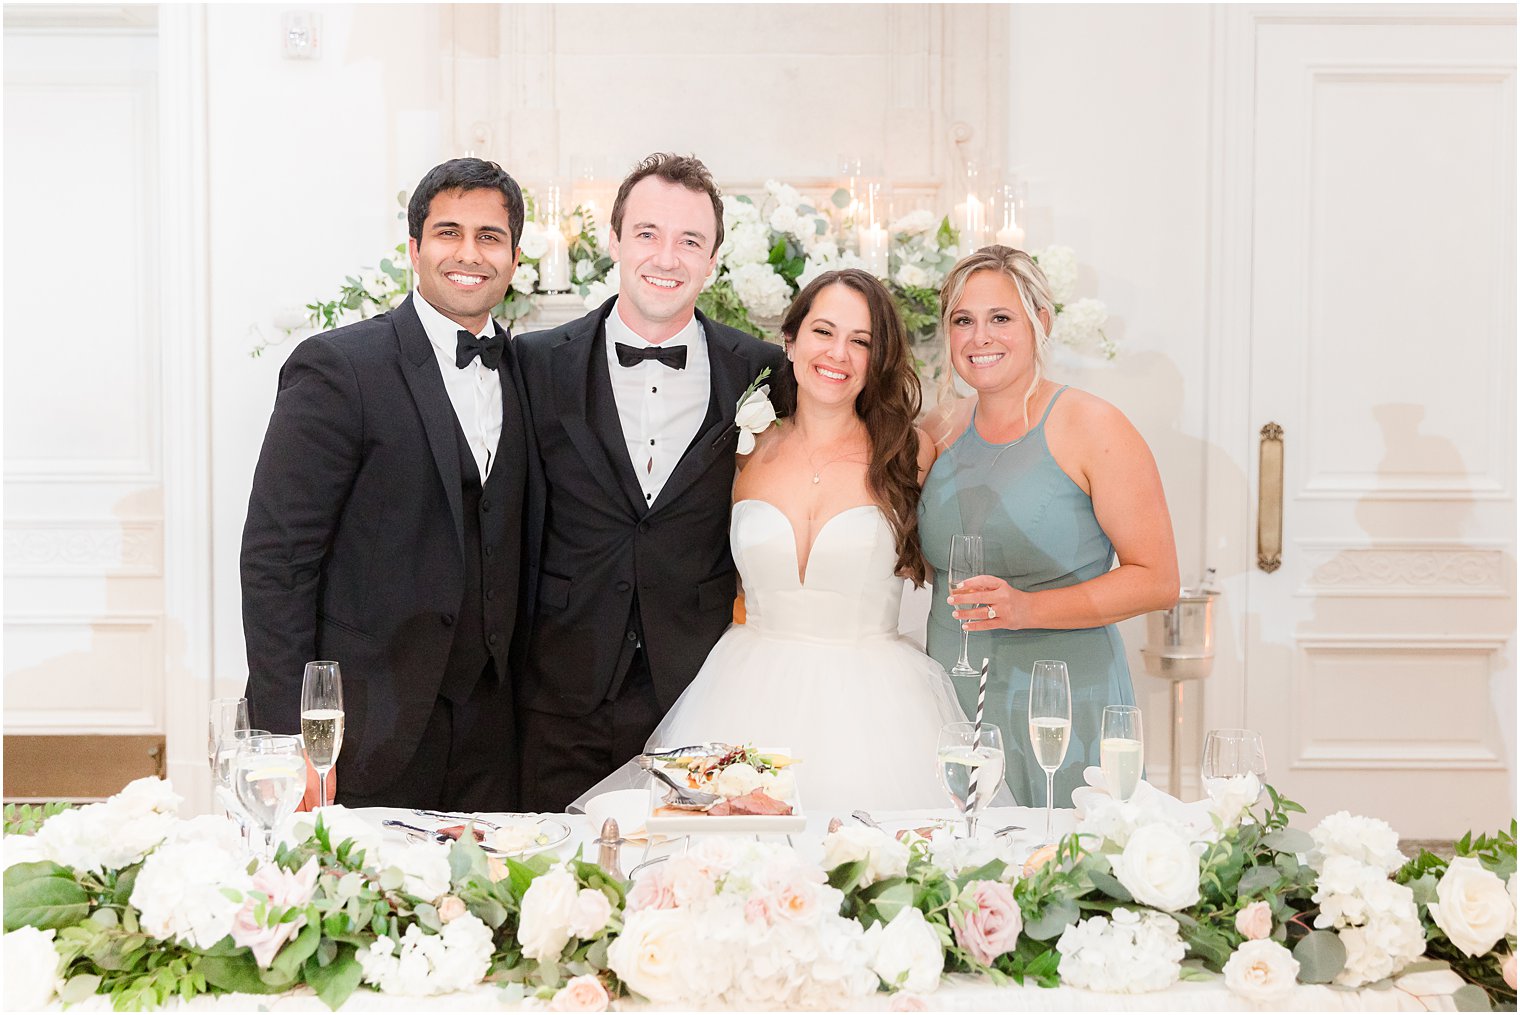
[608, 845]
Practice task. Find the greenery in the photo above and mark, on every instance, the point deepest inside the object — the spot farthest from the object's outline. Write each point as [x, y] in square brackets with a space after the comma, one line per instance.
[25, 819]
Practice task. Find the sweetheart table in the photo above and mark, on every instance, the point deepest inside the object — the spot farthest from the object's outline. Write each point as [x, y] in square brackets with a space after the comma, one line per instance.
[955, 993]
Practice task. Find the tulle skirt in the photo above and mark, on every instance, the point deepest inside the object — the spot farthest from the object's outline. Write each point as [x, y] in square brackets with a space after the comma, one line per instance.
[863, 717]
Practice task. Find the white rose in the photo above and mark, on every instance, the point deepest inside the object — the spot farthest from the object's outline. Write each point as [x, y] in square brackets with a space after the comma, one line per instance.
[737, 780]
[1230, 797]
[753, 417]
[424, 869]
[1261, 971]
[915, 222]
[783, 218]
[31, 968]
[524, 278]
[534, 242]
[913, 275]
[1472, 906]
[591, 914]
[885, 856]
[548, 907]
[908, 953]
[1159, 868]
[148, 795]
[651, 955]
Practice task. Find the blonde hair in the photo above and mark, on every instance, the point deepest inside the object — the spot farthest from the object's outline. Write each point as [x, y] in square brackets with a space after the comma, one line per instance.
[1034, 297]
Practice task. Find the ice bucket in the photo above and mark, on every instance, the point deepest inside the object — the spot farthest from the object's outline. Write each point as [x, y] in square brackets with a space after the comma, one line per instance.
[1179, 643]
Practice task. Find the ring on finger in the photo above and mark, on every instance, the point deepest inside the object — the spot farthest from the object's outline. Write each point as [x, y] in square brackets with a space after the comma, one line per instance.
[991, 613]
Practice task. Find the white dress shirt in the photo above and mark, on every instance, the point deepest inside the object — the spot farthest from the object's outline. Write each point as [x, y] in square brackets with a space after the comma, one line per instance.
[661, 409]
[475, 391]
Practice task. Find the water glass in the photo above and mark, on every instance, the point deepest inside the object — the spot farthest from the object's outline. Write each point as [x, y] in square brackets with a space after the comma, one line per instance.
[227, 715]
[970, 767]
[322, 719]
[1121, 752]
[965, 562]
[1049, 725]
[1232, 754]
[268, 778]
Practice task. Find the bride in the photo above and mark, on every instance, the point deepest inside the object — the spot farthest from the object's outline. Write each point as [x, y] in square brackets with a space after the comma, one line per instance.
[824, 530]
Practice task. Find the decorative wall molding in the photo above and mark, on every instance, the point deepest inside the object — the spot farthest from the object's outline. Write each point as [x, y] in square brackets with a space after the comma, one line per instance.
[122, 661]
[84, 547]
[1448, 666]
[1416, 570]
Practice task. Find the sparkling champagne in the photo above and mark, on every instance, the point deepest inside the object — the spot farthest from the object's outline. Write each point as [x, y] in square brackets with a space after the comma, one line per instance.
[322, 730]
[1048, 735]
[959, 762]
[1122, 760]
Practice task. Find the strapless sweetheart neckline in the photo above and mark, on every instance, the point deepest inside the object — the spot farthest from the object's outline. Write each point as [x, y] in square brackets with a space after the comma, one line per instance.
[801, 570]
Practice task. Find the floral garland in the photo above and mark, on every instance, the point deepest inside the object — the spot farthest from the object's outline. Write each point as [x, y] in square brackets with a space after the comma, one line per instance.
[771, 249]
[126, 900]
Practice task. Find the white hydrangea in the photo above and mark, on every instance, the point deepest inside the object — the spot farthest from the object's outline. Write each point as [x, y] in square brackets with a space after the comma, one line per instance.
[915, 223]
[1377, 919]
[1132, 953]
[1115, 821]
[1366, 840]
[763, 292]
[736, 212]
[822, 259]
[1080, 326]
[113, 834]
[914, 275]
[784, 193]
[746, 243]
[784, 218]
[1060, 267]
[190, 888]
[423, 963]
[525, 278]
[1231, 797]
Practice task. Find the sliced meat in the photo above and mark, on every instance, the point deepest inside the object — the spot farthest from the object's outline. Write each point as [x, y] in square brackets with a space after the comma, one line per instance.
[754, 802]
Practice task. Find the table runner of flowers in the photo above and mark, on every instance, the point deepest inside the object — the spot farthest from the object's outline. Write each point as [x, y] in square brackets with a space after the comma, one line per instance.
[774, 244]
[123, 898]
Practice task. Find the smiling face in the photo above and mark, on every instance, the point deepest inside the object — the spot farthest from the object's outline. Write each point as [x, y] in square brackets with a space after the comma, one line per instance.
[465, 259]
[831, 352]
[992, 340]
[665, 251]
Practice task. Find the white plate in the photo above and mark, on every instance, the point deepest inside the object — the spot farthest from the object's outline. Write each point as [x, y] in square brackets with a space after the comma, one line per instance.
[697, 823]
[552, 831]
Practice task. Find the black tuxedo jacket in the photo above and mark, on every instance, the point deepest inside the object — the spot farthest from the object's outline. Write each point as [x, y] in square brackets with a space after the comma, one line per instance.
[354, 545]
[614, 569]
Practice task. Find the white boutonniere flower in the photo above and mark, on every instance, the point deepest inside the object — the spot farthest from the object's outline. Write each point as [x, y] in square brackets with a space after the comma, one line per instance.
[755, 412]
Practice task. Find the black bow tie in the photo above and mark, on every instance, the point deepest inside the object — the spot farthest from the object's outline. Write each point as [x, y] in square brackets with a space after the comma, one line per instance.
[488, 349]
[673, 356]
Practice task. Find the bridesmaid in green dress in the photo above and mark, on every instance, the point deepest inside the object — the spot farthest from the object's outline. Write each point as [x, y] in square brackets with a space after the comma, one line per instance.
[1058, 483]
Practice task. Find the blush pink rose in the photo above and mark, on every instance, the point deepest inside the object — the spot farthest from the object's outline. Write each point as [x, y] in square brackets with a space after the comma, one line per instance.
[1509, 970]
[757, 909]
[652, 891]
[991, 928]
[583, 993]
[1254, 922]
[283, 889]
[451, 907]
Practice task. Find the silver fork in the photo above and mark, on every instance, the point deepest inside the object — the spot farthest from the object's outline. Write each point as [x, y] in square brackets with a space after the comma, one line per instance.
[462, 819]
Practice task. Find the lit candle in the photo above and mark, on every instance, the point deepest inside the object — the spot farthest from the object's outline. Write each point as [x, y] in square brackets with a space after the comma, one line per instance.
[554, 266]
[1011, 236]
[873, 248]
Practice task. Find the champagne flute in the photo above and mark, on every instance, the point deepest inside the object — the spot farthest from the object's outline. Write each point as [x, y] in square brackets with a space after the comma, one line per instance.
[1049, 725]
[227, 715]
[269, 776]
[965, 562]
[971, 767]
[322, 719]
[1122, 750]
[1231, 754]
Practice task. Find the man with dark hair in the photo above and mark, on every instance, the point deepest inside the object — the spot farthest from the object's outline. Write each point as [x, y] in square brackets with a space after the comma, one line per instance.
[385, 527]
[633, 409]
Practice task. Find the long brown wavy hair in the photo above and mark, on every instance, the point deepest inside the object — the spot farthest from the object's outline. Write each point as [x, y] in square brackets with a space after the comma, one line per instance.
[887, 405]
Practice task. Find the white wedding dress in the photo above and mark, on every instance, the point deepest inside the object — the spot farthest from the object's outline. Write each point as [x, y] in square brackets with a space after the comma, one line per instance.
[820, 670]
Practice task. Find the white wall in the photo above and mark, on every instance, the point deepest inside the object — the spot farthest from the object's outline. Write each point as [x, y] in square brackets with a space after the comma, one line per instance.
[1109, 120]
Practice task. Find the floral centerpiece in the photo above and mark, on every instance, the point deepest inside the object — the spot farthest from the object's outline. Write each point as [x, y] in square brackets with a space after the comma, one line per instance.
[126, 900]
[774, 244]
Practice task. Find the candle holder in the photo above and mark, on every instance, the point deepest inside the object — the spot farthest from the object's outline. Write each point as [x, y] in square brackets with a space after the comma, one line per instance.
[970, 213]
[873, 214]
[1009, 199]
[554, 265]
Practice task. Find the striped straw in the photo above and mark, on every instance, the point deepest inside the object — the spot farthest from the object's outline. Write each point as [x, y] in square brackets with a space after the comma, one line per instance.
[981, 701]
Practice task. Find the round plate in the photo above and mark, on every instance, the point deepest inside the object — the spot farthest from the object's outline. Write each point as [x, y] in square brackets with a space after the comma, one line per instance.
[551, 832]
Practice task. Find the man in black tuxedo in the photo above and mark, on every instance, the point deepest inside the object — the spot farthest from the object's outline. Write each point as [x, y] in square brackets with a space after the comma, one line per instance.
[385, 528]
[633, 409]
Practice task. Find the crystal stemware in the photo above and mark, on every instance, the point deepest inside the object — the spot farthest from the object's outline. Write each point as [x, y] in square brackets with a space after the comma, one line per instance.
[322, 719]
[1121, 751]
[1049, 725]
[971, 767]
[965, 562]
[268, 777]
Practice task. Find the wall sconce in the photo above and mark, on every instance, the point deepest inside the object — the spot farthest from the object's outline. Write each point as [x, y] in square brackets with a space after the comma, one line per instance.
[301, 35]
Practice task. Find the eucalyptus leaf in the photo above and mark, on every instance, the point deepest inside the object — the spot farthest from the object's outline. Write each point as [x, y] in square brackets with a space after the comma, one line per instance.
[1471, 997]
[1288, 840]
[391, 878]
[427, 915]
[841, 198]
[894, 899]
[1056, 916]
[1257, 879]
[1320, 956]
[1109, 885]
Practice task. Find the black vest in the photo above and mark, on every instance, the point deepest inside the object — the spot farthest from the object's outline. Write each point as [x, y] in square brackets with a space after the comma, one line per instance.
[487, 614]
